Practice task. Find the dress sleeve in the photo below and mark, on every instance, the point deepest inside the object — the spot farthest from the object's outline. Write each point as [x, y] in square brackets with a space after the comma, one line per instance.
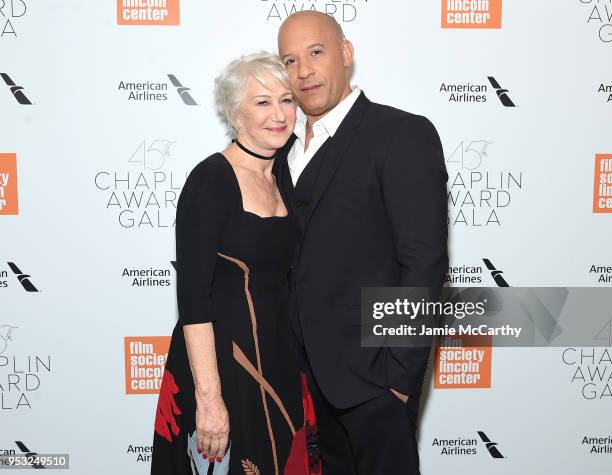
[201, 216]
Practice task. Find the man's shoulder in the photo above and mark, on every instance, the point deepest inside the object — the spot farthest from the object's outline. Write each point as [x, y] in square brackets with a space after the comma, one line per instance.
[382, 116]
[384, 110]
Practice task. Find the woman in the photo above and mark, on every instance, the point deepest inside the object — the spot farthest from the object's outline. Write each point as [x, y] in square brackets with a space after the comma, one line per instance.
[230, 400]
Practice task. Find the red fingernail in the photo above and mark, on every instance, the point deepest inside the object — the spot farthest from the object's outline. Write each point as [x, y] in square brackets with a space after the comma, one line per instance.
[219, 459]
[205, 455]
[199, 450]
[211, 459]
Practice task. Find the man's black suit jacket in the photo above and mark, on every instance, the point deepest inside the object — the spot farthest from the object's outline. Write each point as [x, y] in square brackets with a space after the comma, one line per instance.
[377, 217]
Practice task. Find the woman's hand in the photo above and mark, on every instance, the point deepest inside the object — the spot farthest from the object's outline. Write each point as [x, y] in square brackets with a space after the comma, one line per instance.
[212, 428]
[212, 419]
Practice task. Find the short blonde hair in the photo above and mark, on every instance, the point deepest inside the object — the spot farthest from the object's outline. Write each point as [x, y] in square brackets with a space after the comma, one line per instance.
[230, 85]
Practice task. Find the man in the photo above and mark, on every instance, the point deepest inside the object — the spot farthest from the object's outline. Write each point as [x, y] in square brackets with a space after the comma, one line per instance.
[366, 188]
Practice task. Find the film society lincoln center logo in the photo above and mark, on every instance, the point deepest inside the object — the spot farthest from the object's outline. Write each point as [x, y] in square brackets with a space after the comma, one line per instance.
[463, 363]
[148, 12]
[602, 194]
[8, 184]
[145, 359]
[471, 13]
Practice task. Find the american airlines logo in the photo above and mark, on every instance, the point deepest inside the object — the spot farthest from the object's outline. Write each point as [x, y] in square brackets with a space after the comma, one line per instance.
[24, 279]
[496, 274]
[501, 93]
[183, 91]
[491, 446]
[29, 454]
[467, 446]
[17, 91]
[469, 92]
[156, 91]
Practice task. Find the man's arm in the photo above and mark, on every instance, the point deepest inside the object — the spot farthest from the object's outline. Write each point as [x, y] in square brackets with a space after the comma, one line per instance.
[414, 189]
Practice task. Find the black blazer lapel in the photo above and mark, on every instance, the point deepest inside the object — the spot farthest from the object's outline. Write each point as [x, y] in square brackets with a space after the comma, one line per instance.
[335, 153]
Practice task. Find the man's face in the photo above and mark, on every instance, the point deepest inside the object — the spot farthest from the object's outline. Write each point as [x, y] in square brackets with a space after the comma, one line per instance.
[317, 61]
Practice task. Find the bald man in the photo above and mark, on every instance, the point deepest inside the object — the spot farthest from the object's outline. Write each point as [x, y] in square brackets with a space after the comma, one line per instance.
[366, 190]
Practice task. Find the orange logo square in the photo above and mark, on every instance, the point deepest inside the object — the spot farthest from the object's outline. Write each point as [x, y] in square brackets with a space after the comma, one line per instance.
[8, 184]
[145, 360]
[471, 13]
[148, 12]
[463, 362]
[602, 193]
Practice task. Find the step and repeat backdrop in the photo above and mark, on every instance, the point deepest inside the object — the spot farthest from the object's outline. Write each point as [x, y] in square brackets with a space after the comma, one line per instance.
[107, 105]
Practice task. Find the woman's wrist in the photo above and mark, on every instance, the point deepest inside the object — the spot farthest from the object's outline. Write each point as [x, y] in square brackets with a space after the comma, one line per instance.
[207, 393]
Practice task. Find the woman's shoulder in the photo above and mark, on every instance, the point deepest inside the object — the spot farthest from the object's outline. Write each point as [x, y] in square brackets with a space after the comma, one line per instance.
[212, 170]
[209, 177]
[213, 166]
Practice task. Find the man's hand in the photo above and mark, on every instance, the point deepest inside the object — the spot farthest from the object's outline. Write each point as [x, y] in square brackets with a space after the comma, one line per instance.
[400, 396]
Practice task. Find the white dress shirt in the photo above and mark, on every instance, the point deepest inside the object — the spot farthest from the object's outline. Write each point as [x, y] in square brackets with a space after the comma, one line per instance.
[322, 129]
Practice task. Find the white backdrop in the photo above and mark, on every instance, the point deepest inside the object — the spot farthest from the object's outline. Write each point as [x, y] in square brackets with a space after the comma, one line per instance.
[81, 240]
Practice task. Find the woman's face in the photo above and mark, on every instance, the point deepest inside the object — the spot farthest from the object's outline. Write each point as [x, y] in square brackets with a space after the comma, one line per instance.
[266, 116]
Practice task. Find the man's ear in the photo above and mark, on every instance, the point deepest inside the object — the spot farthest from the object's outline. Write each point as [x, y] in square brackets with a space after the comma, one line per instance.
[347, 53]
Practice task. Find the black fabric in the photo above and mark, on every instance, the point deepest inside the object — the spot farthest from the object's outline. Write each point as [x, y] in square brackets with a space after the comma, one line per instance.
[300, 196]
[211, 222]
[376, 437]
[377, 216]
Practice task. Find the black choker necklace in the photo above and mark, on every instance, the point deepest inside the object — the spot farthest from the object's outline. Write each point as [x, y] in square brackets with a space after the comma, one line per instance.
[250, 152]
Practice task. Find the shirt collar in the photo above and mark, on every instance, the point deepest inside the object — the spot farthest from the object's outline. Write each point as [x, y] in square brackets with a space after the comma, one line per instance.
[330, 121]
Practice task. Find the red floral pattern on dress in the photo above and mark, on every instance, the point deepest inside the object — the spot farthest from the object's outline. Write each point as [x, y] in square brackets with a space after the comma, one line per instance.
[297, 462]
[167, 408]
[304, 457]
[312, 432]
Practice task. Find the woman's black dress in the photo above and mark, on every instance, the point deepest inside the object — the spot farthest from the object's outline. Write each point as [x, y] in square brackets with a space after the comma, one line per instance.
[232, 270]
